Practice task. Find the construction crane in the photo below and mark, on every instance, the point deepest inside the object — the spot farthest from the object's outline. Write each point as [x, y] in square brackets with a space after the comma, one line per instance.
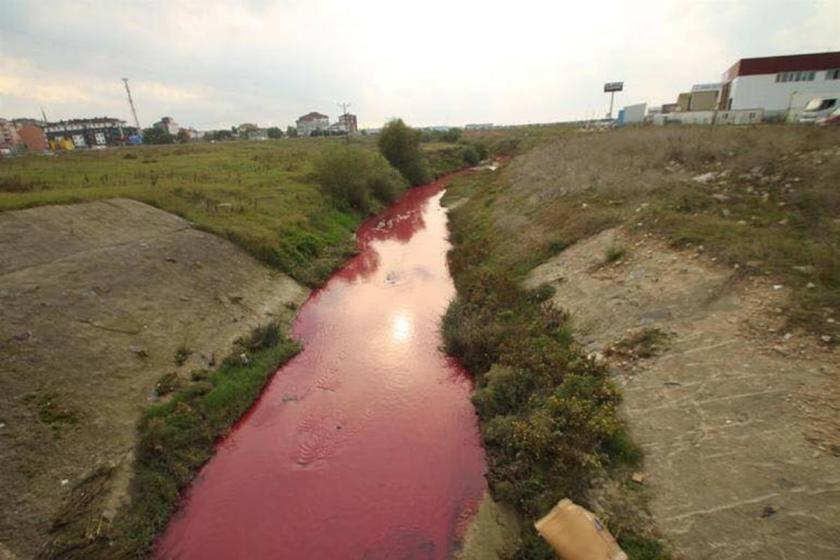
[131, 104]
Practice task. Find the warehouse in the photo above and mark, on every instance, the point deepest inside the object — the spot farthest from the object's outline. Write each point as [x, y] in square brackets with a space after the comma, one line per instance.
[778, 84]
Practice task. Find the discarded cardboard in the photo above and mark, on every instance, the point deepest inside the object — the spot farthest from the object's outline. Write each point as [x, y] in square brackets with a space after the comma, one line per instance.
[575, 534]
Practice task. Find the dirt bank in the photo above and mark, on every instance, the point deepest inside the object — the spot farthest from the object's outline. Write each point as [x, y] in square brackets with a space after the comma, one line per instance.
[97, 302]
[736, 414]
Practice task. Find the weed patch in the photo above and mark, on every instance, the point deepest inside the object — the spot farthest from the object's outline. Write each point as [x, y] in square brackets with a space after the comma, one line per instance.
[175, 439]
[642, 344]
[548, 413]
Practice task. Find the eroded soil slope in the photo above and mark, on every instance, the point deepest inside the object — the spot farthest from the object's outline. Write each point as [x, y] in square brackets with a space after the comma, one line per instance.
[736, 413]
[97, 302]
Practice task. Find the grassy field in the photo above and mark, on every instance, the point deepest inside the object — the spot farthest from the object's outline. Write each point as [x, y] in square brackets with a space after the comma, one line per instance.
[261, 195]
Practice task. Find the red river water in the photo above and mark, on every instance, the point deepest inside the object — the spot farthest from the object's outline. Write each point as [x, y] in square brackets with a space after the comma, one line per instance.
[365, 445]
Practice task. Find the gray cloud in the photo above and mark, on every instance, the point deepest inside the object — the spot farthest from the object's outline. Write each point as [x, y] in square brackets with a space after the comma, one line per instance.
[213, 63]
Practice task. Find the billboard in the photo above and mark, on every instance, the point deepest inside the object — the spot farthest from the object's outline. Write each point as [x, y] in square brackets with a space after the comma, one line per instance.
[613, 86]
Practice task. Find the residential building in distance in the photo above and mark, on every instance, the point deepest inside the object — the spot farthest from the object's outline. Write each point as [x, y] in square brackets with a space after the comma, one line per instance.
[89, 133]
[312, 122]
[777, 83]
[478, 126]
[348, 123]
[245, 129]
[168, 124]
[9, 138]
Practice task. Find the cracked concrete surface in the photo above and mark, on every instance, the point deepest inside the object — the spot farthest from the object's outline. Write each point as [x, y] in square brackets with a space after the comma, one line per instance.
[736, 422]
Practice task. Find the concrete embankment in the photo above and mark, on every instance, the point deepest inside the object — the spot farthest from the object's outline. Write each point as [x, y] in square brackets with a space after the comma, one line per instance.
[736, 425]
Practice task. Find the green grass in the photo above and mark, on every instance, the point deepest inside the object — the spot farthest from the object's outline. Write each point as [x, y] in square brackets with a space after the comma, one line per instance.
[548, 414]
[175, 439]
[260, 195]
[614, 253]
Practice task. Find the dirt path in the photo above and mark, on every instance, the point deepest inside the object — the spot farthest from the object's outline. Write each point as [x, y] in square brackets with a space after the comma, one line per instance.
[737, 417]
[95, 299]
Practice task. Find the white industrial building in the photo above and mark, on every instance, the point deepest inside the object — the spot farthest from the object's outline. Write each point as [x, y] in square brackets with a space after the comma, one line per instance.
[632, 114]
[780, 84]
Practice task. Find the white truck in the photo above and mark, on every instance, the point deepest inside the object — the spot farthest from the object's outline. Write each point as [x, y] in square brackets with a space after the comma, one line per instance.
[818, 108]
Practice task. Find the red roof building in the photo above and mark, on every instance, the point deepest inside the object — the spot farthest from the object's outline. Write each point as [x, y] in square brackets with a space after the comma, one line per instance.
[778, 84]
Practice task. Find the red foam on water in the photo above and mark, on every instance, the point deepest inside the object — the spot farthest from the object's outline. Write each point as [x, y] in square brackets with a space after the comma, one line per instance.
[365, 445]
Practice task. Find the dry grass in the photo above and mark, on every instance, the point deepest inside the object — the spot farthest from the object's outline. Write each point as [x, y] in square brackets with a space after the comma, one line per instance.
[769, 203]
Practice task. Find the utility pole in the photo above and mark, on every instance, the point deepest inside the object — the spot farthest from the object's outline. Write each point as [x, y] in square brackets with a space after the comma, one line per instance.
[344, 107]
[133, 111]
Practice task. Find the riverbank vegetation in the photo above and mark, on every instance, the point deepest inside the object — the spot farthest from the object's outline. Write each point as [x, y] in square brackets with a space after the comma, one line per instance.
[263, 196]
[761, 200]
[548, 413]
[357, 178]
[175, 439]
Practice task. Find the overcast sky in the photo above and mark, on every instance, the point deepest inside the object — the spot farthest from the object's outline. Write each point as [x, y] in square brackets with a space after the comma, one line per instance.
[212, 64]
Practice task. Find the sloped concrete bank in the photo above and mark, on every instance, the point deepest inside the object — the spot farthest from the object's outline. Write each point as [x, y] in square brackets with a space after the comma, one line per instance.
[737, 416]
[98, 301]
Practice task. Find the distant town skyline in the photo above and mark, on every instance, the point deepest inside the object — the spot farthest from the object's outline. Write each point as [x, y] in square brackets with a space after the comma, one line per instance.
[215, 64]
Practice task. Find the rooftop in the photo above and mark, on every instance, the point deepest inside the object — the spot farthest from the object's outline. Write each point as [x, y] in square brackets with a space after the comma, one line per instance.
[786, 63]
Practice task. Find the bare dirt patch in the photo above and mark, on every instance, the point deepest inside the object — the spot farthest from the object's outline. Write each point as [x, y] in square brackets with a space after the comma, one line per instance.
[98, 302]
[734, 414]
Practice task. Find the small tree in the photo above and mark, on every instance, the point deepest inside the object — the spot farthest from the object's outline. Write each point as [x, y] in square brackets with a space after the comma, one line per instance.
[183, 136]
[291, 132]
[157, 136]
[274, 132]
[400, 144]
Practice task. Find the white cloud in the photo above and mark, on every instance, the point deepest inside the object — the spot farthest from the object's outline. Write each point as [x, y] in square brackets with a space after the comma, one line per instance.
[214, 63]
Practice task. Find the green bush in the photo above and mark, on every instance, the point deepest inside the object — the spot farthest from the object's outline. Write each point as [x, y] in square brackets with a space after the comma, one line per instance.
[357, 178]
[157, 136]
[400, 144]
[548, 413]
[471, 156]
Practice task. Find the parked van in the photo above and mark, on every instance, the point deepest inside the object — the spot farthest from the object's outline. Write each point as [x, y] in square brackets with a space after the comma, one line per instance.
[817, 108]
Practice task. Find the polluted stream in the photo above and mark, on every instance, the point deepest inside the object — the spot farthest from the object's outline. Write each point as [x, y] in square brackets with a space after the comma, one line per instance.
[365, 445]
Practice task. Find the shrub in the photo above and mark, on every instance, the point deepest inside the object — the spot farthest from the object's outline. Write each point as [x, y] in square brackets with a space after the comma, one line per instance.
[356, 177]
[451, 135]
[400, 144]
[157, 136]
[471, 156]
[181, 354]
[614, 253]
